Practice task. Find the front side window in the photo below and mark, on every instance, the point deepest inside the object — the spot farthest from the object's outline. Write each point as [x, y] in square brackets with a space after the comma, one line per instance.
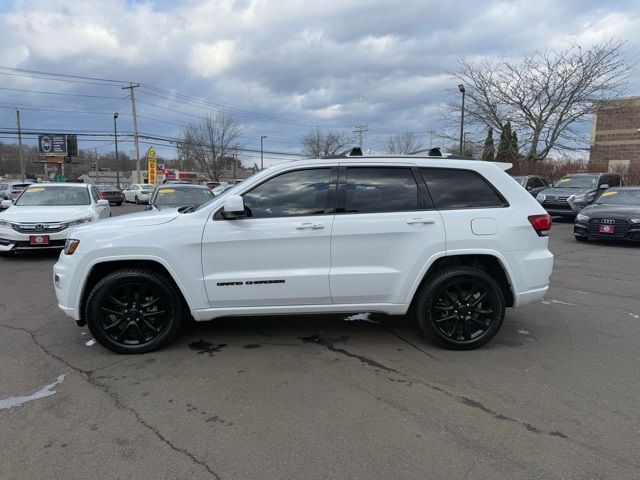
[301, 192]
[458, 189]
[380, 189]
[40, 196]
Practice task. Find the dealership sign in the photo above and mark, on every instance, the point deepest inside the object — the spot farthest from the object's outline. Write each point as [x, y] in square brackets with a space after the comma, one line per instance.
[152, 166]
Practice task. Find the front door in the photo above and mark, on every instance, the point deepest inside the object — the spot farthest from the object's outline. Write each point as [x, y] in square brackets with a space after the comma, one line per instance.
[279, 253]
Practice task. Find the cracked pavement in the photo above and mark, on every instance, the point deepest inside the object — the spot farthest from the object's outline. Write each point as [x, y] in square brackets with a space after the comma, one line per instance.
[554, 395]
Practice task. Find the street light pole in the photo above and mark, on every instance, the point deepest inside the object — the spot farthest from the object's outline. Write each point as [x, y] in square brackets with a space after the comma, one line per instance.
[461, 88]
[262, 137]
[115, 135]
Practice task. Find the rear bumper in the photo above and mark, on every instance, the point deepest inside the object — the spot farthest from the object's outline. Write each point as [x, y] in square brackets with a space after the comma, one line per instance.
[531, 272]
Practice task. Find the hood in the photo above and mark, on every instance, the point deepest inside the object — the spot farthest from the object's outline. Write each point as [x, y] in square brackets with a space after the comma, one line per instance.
[565, 192]
[25, 214]
[623, 212]
[132, 221]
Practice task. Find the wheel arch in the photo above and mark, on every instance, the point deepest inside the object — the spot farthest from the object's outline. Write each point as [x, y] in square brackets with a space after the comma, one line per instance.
[485, 261]
[99, 270]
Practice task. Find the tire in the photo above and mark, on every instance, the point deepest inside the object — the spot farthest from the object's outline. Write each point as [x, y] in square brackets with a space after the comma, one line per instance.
[476, 303]
[137, 200]
[119, 322]
[581, 238]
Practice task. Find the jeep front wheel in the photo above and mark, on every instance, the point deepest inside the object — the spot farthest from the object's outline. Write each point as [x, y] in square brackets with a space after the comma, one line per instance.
[134, 311]
[461, 307]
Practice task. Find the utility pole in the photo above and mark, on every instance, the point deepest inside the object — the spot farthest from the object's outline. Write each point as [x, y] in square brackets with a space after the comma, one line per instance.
[262, 137]
[20, 152]
[235, 161]
[135, 127]
[358, 130]
[97, 166]
[462, 91]
[115, 136]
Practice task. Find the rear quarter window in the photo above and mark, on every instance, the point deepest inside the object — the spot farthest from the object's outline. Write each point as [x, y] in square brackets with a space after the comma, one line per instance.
[453, 189]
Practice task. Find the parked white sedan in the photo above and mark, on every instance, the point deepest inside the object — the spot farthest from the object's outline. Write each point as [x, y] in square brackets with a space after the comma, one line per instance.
[42, 215]
[138, 193]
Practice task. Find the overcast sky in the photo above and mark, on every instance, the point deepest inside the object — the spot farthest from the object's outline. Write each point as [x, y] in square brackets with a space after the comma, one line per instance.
[280, 65]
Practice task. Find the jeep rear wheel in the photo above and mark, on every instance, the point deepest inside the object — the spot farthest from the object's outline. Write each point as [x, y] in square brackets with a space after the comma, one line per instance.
[134, 311]
[461, 308]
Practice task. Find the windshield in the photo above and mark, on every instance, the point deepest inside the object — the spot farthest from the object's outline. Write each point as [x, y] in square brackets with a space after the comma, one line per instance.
[579, 181]
[520, 180]
[182, 196]
[621, 197]
[49, 195]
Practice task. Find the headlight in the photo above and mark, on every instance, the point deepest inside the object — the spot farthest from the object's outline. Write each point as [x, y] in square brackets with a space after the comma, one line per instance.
[584, 197]
[80, 221]
[6, 224]
[70, 246]
[541, 197]
[635, 220]
[582, 218]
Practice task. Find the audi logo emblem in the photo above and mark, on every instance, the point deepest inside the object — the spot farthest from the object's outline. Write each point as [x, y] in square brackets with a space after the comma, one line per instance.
[39, 226]
[608, 221]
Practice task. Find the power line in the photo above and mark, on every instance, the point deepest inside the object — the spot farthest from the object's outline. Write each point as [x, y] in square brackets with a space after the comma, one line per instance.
[44, 92]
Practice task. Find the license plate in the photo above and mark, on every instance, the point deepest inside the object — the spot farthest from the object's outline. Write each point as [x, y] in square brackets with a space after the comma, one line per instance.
[39, 239]
[607, 229]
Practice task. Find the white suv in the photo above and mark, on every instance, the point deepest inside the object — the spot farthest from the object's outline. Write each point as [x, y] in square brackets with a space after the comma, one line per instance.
[458, 239]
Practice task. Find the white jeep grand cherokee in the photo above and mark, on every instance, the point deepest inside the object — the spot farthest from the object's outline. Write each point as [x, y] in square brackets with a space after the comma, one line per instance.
[458, 239]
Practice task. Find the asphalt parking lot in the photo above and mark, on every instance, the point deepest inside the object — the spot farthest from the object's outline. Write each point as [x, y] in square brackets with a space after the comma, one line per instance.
[554, 395]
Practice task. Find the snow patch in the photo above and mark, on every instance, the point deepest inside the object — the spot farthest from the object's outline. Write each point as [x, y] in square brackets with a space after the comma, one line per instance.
[360, 317]
[90, 343]
[549, 301]
[46, 391]
[634, 315]
[523, 332]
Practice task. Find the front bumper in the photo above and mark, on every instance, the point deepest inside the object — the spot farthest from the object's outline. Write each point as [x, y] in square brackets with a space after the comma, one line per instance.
[630, 233]
[10, 240]
[63, 285]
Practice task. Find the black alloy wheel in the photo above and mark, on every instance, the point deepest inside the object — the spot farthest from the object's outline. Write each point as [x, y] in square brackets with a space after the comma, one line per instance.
[134, 311]
[461, 307]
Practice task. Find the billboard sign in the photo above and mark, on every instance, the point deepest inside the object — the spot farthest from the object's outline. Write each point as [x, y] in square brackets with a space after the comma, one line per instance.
[54, 145]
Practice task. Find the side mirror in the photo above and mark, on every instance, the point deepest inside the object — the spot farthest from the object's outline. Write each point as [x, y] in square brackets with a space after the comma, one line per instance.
[102, 203]
[6, 203]
[604, 186]
[233, 207]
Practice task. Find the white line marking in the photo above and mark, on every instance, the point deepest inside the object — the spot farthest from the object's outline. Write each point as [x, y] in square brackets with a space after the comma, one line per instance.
[523, 332]
[90, 343]
[9, 403]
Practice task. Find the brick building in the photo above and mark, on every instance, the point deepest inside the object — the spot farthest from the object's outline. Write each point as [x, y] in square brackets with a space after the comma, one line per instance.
[615, 135]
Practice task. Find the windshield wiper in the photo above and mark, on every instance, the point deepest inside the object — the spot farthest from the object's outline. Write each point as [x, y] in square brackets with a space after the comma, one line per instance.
[188, 208]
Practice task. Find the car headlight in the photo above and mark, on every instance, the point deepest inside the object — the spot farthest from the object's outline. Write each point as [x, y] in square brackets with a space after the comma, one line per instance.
[541, 197]
[80, 221]
[582, 218]
[635, 220]
[70, 246]
[6, 224]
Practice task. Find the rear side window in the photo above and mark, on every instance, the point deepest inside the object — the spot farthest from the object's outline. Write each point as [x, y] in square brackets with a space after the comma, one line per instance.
[456, 189]
[379, 189]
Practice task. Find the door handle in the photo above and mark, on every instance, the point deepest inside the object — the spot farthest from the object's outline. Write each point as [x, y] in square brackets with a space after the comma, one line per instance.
[309, 225]
[424, 221]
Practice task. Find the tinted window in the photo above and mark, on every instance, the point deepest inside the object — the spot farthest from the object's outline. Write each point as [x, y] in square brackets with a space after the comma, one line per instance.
[451, 189]
[372, 189]
[535, 182]
[303, 192]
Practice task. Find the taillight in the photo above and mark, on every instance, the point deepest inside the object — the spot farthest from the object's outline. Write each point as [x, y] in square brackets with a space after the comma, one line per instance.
[541, 224]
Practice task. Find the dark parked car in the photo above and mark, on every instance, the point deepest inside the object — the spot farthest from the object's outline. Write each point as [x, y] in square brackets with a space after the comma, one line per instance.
[615, 215]
[179, 195]
[111, 193]
[533, 183]
[575, 191]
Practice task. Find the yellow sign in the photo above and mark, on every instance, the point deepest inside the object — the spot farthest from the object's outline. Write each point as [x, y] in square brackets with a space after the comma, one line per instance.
[152, 166]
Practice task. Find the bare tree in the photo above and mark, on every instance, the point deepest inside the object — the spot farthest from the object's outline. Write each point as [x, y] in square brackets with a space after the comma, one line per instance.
[403, 144]
[205, 143]
[316, 144]
[545, 94]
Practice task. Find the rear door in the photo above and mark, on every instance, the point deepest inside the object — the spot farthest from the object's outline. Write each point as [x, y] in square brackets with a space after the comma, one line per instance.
[384, 232]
